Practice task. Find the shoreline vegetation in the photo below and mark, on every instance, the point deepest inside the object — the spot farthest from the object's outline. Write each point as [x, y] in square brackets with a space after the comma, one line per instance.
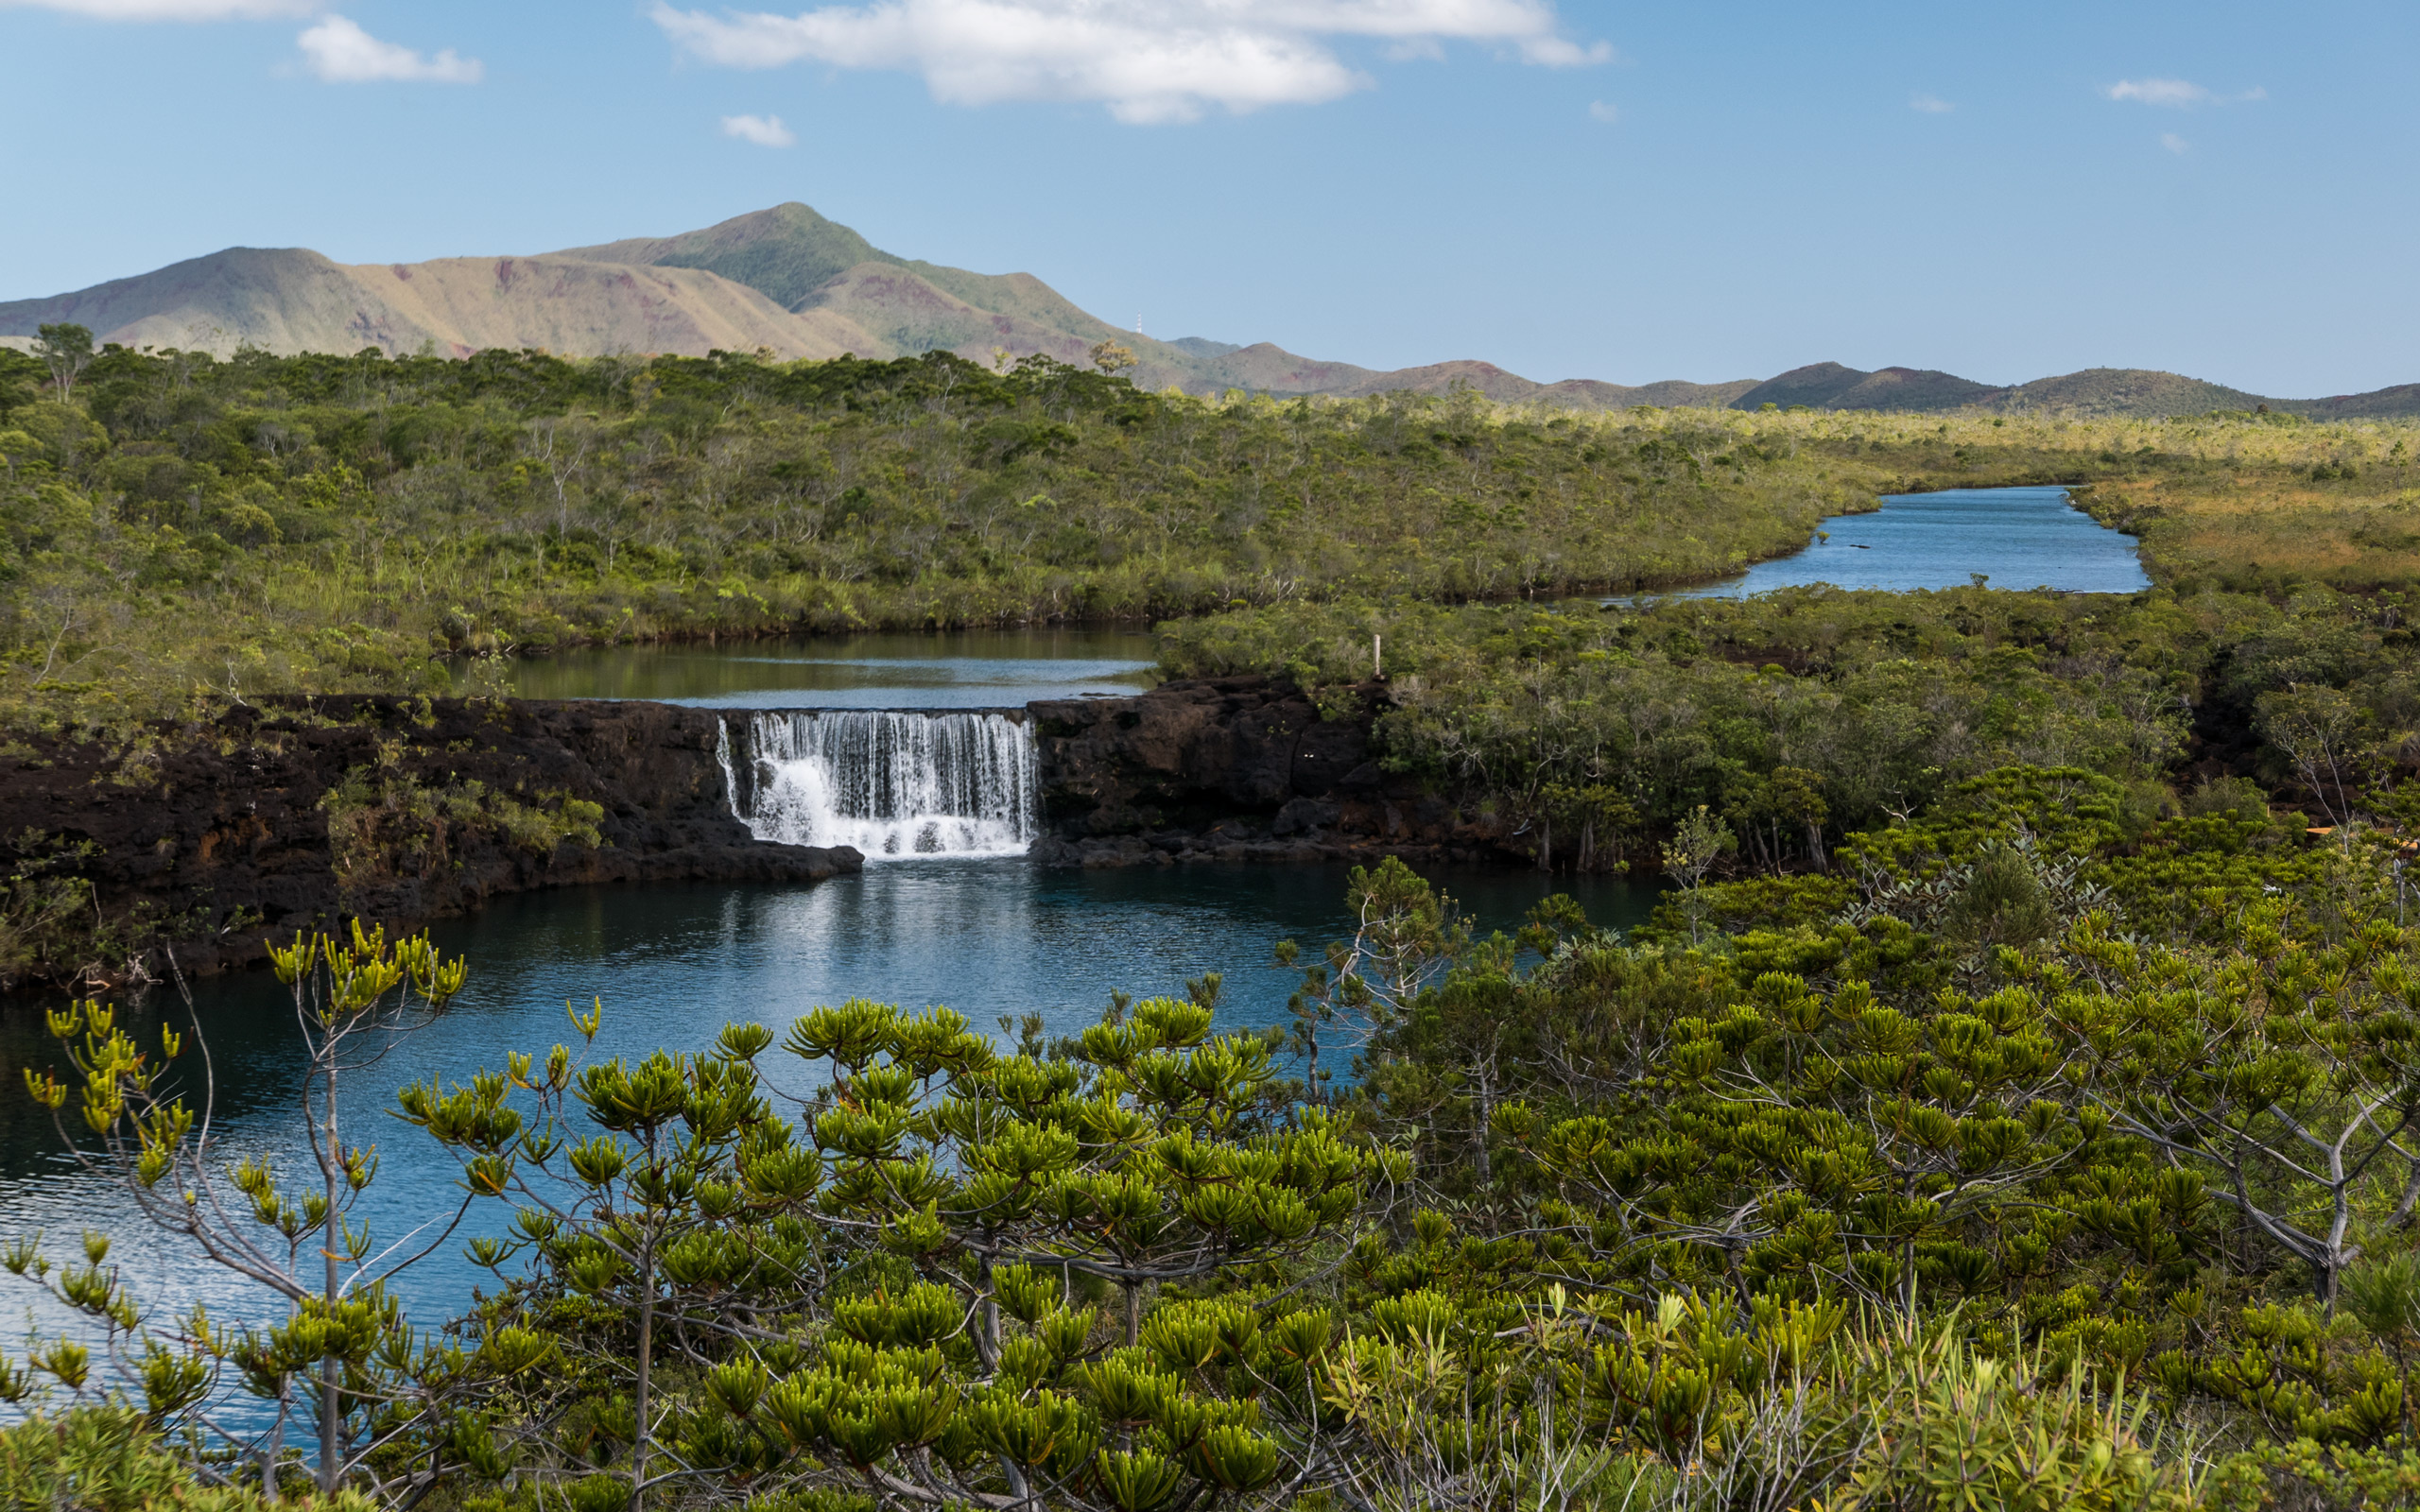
[2014, 1103]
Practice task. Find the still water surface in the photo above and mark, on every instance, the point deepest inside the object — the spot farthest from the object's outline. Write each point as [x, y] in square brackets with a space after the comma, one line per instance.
[2015, 537]
[969, 669]
[674, 964]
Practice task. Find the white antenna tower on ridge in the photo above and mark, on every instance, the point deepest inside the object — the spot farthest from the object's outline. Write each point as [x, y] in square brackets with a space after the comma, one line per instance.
[1138, 325]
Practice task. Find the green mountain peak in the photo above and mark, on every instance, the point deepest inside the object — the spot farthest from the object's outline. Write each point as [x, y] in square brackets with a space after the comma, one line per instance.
[786, 252]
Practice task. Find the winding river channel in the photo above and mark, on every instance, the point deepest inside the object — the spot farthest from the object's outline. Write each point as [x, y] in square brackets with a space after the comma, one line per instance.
[2008, 538]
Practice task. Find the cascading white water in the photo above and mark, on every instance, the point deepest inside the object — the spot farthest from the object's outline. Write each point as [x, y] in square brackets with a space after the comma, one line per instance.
[888, 783]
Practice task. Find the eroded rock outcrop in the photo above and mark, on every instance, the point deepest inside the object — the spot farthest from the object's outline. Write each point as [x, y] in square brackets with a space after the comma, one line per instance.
[209, 838]
[1230, 769]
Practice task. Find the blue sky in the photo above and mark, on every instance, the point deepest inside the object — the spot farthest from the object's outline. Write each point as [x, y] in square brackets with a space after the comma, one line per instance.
[1617, 192]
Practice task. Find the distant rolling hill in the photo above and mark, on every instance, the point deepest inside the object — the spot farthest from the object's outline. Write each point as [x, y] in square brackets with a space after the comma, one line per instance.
[289, 299]
[2093, 391]
[1829, 385]
[811, 264]
[789, 281]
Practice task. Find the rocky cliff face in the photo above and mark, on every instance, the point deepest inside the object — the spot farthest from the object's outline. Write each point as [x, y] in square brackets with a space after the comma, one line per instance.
[1230, 769]
[207, 839]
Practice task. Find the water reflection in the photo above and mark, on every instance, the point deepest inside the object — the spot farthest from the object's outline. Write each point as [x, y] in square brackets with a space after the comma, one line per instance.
[2015, 537]
[971, 669]
[990, 938]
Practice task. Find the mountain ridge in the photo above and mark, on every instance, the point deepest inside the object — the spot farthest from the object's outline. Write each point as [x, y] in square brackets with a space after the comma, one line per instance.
[789, 281]
[289, 299]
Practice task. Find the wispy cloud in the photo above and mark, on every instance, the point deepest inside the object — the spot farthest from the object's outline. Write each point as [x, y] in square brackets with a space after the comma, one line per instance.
[1930, 105]
[1146, 59]
[2176, 93]
[1600, 111]
[764, 131]
[340, 52]
[175, 9]
[2175, 144]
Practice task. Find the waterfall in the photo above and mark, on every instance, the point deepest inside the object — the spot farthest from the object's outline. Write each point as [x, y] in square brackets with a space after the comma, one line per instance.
[890, 783]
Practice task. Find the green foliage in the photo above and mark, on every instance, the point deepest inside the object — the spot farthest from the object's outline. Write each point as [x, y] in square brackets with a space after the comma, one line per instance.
[2030, 1129]
[176, 525]
[43, 901]
[1928, 1183]
[108, 1459]
[66, 351]
[344, 1352]
[385, 821]
[1807, 714]
[273, 525]
[904, 1281]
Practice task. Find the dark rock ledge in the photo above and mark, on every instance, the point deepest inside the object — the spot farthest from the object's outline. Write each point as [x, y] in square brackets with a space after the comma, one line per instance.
[1230, 769]
[211, 838]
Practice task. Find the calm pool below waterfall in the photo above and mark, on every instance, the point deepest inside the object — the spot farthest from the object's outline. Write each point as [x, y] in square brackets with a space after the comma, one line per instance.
[987, 938]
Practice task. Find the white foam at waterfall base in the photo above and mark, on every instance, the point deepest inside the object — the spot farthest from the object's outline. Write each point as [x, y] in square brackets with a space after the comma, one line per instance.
[893, 784]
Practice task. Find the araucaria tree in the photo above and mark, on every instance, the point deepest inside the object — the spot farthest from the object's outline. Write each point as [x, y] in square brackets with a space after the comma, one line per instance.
[343, 1357]
[902, 1294]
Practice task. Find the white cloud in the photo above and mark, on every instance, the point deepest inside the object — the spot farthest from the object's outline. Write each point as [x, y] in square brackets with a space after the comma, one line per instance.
[340, 52]
[1930, 105]
[1146, 59]
[1600, 111]
[176, 10]
[764, 131]
[2176, 93]
[2175, 144]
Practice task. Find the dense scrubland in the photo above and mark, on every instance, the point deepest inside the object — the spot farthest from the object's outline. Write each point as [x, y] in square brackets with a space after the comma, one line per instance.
[181, 528]
[267, 524]
[1811, 713]
[2042, 1152]
[2012, 1104]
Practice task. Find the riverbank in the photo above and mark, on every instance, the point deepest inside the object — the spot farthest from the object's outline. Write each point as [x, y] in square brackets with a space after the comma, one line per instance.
[196, 843]
[1237, 768]
[191, 846]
